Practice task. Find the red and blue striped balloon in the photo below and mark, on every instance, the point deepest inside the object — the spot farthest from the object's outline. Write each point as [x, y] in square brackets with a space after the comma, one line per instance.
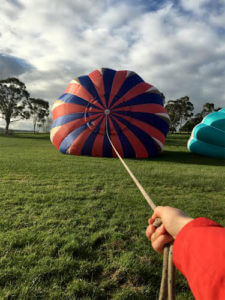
[137, 120]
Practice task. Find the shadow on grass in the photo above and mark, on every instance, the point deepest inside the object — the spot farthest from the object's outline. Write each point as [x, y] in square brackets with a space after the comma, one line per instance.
[185, 158]
[191, 158]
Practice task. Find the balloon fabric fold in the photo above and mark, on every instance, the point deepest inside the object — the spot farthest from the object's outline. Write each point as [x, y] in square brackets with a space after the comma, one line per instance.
[136, 119]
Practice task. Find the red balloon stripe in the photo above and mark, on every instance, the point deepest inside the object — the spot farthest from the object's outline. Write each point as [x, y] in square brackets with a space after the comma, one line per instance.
[139, 89]
[148, 108]
[118, 81]
[66, 129]
[135, 142]
[97, 79]
[79, 91]
[152, 131]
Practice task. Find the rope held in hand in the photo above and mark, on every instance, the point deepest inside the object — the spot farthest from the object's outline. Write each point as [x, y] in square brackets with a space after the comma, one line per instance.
[167, 287]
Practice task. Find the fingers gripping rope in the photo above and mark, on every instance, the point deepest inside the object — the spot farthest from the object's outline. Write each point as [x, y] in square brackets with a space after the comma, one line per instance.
[167, 290]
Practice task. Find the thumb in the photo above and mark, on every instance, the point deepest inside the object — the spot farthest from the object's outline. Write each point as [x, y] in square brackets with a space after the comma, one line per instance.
[158, 211]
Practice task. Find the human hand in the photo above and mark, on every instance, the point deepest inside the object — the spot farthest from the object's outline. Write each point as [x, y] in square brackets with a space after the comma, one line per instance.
[173, 220]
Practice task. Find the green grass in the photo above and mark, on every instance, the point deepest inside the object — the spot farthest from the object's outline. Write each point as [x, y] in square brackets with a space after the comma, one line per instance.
[74, 227]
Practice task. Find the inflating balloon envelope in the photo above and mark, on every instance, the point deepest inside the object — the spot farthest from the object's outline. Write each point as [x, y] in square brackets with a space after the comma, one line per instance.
[137, 122]
[114, 114]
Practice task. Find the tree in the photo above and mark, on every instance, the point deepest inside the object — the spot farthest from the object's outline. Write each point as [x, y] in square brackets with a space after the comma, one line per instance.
[186, 110]
[191, 123]
[171, 109]
[208, 108]
[39, 110]
[13, 101]
[179, 111]
[45, 125]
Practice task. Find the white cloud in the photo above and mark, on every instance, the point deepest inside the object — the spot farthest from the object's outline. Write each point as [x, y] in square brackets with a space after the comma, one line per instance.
[194, 5]
[178, 48]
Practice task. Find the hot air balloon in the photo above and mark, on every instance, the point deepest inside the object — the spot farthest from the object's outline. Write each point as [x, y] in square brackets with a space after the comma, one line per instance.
[208, 137]
[105, 101]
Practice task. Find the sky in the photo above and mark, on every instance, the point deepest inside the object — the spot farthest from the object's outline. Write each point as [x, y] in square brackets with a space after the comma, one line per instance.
[177, 46]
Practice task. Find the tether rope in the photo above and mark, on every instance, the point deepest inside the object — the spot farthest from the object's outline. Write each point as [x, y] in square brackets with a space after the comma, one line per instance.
[167, 287]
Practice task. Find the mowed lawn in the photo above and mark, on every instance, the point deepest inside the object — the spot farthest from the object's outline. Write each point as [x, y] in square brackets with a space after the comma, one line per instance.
[74, 227]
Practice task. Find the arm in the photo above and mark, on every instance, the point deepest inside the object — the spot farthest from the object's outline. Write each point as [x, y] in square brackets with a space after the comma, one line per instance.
[199, 250]
[199, 253]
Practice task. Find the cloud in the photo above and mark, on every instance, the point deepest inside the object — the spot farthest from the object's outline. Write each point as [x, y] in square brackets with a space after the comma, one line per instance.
[194, 6]
[11, 66]
[177, 47]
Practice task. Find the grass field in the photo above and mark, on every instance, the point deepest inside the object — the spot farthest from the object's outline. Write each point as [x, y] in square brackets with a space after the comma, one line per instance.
[74, 227]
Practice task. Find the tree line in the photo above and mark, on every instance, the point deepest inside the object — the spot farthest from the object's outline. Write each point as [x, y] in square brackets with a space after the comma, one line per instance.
[16, 104]
[181, 114]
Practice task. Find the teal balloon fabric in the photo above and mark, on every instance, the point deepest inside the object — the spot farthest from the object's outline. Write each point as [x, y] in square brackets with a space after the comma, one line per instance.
[208, 137]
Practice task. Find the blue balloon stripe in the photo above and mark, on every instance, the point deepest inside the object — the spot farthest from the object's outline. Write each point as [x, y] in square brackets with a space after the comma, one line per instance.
[128, 84]
[66, 119]
[150, 119]
[108, 76]
[146, 98]
[86, 82]
[107, 148]
[70, 98]
[67, 142]
[88, 145]
[69, 118]
[145, 139]
[128, 150]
